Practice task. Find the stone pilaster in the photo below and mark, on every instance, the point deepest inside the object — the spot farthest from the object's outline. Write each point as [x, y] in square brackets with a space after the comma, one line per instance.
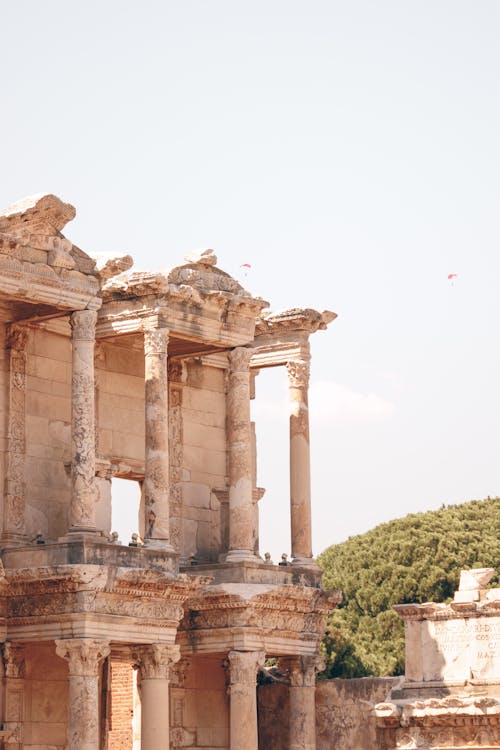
[14, 530]
[243, 667]
[83, 487]
[13, 670]
[300, 471]
[302, 713]
[156, 486]
[154, 663]
[83, 656]
[242, 530]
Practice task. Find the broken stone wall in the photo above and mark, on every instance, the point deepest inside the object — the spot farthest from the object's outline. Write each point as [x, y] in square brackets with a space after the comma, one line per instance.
[342, 713]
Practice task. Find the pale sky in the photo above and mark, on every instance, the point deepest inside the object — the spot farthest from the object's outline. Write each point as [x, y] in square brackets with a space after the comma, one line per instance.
[349, 151]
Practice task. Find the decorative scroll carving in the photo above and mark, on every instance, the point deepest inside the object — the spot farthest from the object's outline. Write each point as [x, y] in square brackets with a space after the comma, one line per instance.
[239, 359]
[155, 342]
[177, 376]
[83, 655]
[15, 503]
[83, 323]
[243, 667]
[178, 672]
[298, 373]
[155, 660]
[13, 660]
[302, 669]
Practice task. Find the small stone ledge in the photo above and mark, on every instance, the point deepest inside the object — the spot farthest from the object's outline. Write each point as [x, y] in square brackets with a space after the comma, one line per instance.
[86, 551]
[257, 572]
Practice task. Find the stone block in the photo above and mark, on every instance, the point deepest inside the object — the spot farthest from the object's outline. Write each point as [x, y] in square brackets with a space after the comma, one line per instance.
[205, 460]
[196, 495]
[204, 436]
[128, 446]
[211, 419]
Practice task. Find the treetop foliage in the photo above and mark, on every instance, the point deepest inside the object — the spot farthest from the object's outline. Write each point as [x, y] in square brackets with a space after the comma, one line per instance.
[417, 558]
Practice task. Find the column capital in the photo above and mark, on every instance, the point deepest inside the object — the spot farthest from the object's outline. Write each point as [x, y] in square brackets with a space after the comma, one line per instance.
[239, 359]
[302, 669]
[82, 654]
[83, 323]
[298, 373]
[155, 341]
[244, 665]
[155, 660]
[13, 659]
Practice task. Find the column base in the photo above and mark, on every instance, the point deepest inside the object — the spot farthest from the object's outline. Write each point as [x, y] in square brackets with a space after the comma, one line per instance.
[9, 539]
[162, 544]
[305, 562]
[241, 555]
[82, 533]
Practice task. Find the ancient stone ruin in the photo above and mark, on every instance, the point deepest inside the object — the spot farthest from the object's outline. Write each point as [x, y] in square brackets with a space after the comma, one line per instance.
[109, 373]
[450, 695]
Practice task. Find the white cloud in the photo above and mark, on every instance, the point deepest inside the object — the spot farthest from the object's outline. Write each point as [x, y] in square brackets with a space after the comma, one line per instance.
[329, 401]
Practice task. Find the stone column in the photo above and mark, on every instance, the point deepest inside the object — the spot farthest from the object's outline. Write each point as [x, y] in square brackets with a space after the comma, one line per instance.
[242, 531]
[302, 713]
[14, 667]
[156, 486]
[300, 471]
[83, 656]
[243, 729]
[83, 487]
[154, 663]
[15, 501]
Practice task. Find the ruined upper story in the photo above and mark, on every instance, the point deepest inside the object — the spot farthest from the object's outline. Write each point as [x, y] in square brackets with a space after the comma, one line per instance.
[108, 372]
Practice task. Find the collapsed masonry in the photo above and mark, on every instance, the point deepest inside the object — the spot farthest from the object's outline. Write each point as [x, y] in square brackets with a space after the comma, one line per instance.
[145, 376]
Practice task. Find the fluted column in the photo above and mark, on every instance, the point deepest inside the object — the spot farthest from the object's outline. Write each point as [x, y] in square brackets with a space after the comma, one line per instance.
[156, 487]
[302, 712]
[14, 527]
[242, 530]
[243, 729]
[300, 470]
[83, 486]
[84, 656]
[154, 662]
